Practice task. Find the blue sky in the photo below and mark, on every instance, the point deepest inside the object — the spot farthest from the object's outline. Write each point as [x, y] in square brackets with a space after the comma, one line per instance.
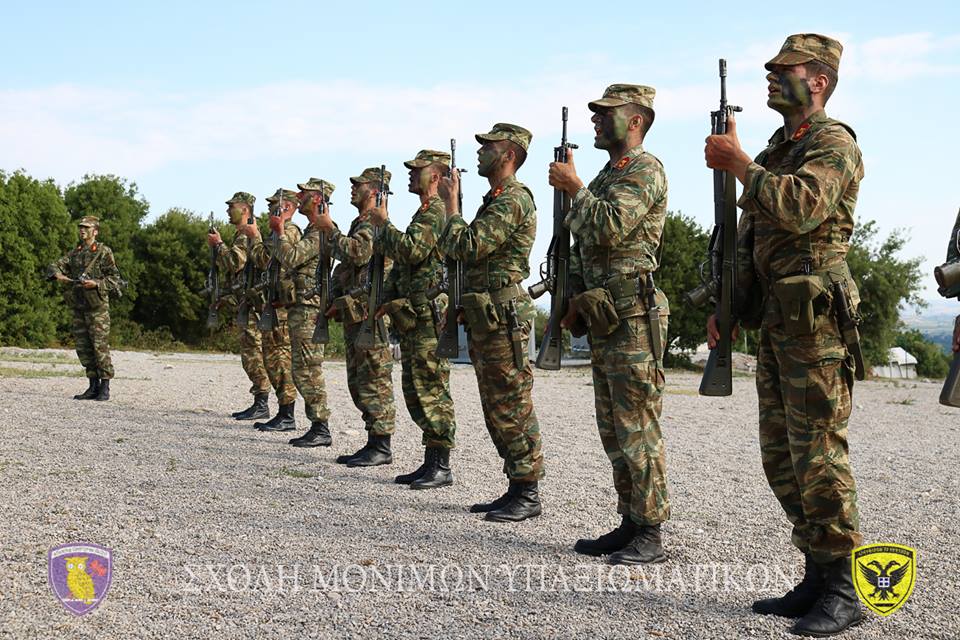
[196, 100]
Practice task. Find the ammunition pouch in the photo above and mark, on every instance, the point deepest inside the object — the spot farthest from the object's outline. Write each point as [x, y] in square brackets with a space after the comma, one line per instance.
[90, 298]
[287, 294]
[480, 313]
[597, 308]
[625, 290]
[402, 314]
[302, 286]
[348, 310]
[796, 296]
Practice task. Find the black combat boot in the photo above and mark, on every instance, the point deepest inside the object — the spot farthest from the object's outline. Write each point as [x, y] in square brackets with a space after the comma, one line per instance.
[376, 453]
[609, 542]
[257, 410]
[523, 503]
[407, 478]
[283, 421]
[91, 391]
[645, 547]
[103, 391]
[437, 474]
[797, 601]
[837, 608]
[484, 507]
[317, 436]
[344, 458]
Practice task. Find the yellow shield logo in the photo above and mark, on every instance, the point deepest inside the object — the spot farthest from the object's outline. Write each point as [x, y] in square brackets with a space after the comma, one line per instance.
[884, 575]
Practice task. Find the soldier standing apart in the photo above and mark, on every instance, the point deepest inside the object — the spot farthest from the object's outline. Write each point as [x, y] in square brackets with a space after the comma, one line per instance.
[617, 222]
[416, 268]
[798, 203]
[93, 273]
[369, 371]
[953, 253]
[299, 257]
[276, 342]
[233, 260]
[498, 312]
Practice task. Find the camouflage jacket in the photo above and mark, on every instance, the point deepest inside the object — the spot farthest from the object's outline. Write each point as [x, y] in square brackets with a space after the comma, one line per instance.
[953, 247]
[417, 259]
[261, 250]
[798, 200]
[299, 256]
[83, 262]
[617, 220]
[354, 251]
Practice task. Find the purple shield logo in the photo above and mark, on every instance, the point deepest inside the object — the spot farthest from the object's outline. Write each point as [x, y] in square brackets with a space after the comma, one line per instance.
[79, 574]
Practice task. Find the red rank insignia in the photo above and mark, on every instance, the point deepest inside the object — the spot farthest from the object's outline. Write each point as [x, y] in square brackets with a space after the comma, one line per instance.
[801, 131]
[424, 206]
[93, 247]
[624, 161]
[497, 192]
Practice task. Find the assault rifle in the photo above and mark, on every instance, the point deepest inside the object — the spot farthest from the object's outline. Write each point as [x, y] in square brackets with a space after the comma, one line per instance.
[212, 287]
[554, 272]
[448, 344]
[721, 284]
[373, 326]
[270, 278]
[246, 285]
[321, 287]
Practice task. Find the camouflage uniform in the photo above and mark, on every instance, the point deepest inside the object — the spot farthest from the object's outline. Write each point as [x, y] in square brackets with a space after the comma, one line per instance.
[953, 247]
[617, 222]
[495, 251]
[369, 371]
[233, 259]
[91, 307]
[798, 215]
[417, 267]
[277, 357]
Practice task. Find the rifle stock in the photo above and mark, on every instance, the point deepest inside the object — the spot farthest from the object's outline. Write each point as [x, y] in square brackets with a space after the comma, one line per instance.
[213, 285]
[372, 327]
[270, 279]
[448, 342]
[321, 331]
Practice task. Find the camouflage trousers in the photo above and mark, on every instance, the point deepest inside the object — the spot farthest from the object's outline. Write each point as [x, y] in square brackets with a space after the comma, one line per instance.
[251, 355]
[505, 396]
[370, 380]
[277, 359]
[628, 386]
[91, 333]
[804, 386]
[307, 361]
[426, 383]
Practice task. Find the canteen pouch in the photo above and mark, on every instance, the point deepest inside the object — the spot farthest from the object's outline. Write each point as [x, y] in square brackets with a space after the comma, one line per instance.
[347, 310]
[597, 308]
[796, 295]
[403, 316]
[480, 313]
[92, 298]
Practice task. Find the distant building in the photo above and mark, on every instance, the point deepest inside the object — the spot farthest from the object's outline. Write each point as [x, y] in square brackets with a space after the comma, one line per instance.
[900, 364]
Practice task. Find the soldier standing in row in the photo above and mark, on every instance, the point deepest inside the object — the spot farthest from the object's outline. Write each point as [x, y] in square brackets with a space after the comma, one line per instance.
[299, 257]
[276, 341]
[416, 268]
[369, 371]
[93, 274]
[617, 222]
[234, 261]
[498, 312]
[798, 215]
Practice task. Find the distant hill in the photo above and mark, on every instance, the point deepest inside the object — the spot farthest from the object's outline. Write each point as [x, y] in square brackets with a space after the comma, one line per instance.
[935, 322]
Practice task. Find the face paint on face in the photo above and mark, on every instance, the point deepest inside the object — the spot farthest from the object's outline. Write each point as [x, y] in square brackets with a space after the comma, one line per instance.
[236, 212]
[414, 186]
[610, 126]
[86, 234]
[788, 91]
[308, 205]
[489, 157]
[358, 193]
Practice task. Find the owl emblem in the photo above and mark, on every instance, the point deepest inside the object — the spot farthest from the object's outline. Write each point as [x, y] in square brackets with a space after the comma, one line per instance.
[78, 580]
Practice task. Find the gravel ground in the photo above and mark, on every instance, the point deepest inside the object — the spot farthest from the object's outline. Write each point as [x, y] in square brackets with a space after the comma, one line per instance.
[200, 510]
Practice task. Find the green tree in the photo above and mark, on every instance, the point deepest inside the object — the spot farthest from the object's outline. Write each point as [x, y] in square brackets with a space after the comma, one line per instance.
[35, 231]
[886, 281]
[684, 249]
[932, 362]
[121, 210]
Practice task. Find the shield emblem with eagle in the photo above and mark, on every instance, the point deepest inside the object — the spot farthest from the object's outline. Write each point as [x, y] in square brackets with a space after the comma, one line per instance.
[884, 575]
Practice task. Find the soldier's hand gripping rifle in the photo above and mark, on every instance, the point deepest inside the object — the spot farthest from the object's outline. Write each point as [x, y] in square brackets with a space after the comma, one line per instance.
[321, 287]
[721, 284]
[555, 270]
[448, 345]
[270, 278]
[373, 327]
[212, 287]
[247, 284]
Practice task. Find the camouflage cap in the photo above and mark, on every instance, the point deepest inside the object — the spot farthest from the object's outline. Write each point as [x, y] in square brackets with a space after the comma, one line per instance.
[804, 47]
[506, 131]
[242, 197]
[317, 184]
[286, 194]
[89, 221]
[427, 157]
[372, 174]
[620, 94]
